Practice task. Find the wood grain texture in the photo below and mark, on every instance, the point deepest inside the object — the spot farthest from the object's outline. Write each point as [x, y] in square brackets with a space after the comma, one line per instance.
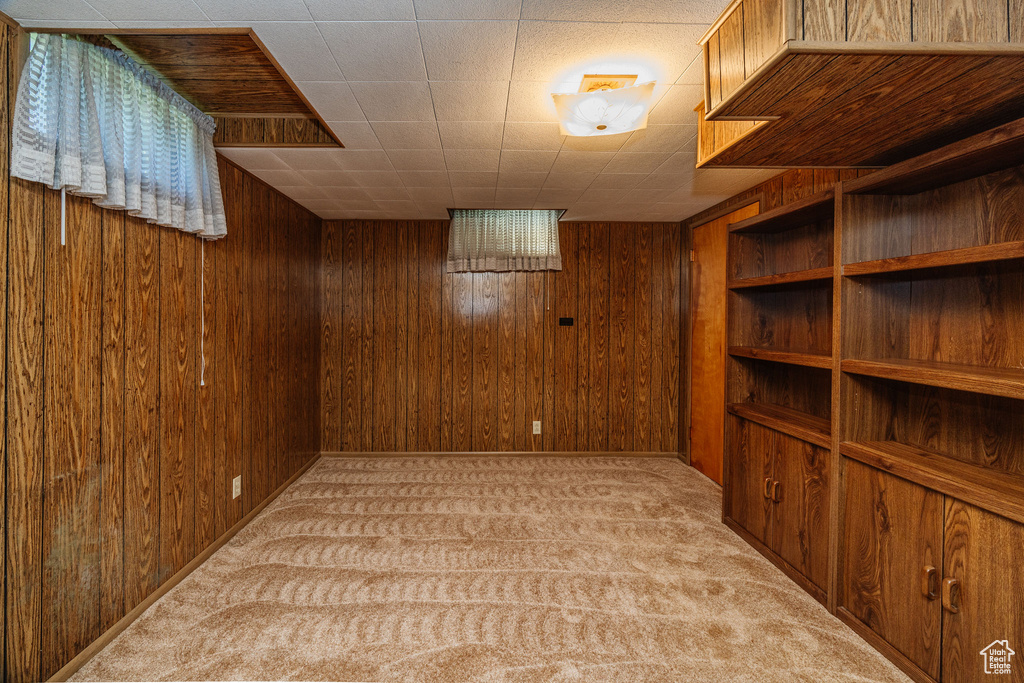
[957, 21]
[878, 20]
[488, 356]
[893, 529]
[803, 473]
[252, 131]
[731, 48]
[763, 32]
[119, 464]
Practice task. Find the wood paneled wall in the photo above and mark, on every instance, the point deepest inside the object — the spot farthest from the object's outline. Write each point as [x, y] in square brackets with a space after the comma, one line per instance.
[120, 444]
[417, 359]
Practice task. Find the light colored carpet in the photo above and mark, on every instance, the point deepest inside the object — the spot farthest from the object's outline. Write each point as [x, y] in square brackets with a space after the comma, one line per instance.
[490, 569]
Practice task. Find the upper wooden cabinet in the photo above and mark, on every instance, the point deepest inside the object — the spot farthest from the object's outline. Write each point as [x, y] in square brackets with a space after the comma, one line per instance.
[857, 84]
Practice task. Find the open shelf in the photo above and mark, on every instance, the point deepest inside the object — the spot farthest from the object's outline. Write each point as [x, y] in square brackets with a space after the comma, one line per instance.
[1007, 382]
[978, 155]
[810, 275]
[815, 208]
[809, 360]
[998, 492]
[1003, 251]
[796, 423]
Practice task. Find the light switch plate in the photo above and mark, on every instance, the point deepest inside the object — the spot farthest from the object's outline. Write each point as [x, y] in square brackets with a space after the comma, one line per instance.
[536, 426]
[236, 487]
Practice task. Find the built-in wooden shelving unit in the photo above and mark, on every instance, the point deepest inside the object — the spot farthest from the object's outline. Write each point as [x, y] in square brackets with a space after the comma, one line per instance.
[876, 369]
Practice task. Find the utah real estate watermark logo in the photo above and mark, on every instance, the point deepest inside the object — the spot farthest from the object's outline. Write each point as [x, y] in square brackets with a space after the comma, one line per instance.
[997, 656]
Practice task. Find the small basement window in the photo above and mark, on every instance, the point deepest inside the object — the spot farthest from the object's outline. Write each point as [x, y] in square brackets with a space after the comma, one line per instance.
[502, 240]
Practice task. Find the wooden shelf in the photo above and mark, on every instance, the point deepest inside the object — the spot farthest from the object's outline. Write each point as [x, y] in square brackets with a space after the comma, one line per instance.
[798, 424]
[811, 275]
[978, 155]
[1008, 382]
[1004, 251]
[815, 208]
[997, 491]
[809, 360]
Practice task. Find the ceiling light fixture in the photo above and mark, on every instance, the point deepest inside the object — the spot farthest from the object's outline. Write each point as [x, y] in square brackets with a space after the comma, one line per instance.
[604, 105]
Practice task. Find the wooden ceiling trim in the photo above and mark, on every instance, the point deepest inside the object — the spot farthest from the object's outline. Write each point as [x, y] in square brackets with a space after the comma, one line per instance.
[271, 132]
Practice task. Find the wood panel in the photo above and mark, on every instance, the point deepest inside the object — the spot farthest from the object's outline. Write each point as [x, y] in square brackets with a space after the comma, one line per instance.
[270, 131]
[957, 21]
[763, 32]
[802, 511]
[878, 20]
[893, 531]
[488, 355]
[119, 463]
[750, 474]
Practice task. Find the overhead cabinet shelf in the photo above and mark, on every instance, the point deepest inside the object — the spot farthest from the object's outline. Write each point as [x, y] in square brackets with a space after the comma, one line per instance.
[858, 84]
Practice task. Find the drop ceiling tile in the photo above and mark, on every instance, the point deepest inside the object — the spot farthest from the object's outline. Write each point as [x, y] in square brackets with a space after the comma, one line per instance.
[568, 180]
[253, 159]
[670, 181]
[329, 178]
[526, 161]
[301, 192]
[334, 101]
[299, 49]
[430, 195]
[460, 9]
[469, 100]
[151, 10]
[355, 134]
[407, 134]
[375, 50]
[642, 162]
[321, 204]
[468, 50]
[521, 180]
[430, 212]
[620, 181]
[557, 198]
[515, 197]
[485, 160]
[364, 215]
[430, 179]
[276, 178]
[532, 136]
[549, 52]
[646, 196]
[569, 161]
[417, 159]
[694, 73]
[394, 101]
[531, 101]
[387, 193]
[659, 138]
[405, 207]
[680, 162]
[463, 179]
[147, 24]
[467, 197]
[309, 159]
[693, 11]
[69, 10]
[63, 24]
[470, 134]
[333, 215]
[677, 106]
[363, 160]
[378, 179]
[361, 10]
[597, 143]
[348, 194]
[602, 195]
[255, 10]
[358, 205]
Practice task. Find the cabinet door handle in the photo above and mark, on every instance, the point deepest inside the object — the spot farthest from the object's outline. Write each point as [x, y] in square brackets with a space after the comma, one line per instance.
[928, 576]
[951, 595]
[776, 488]
[767, 487]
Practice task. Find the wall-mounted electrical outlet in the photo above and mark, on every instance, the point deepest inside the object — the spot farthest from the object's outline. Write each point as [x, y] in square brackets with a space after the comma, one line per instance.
[536, 426]
[236, 487]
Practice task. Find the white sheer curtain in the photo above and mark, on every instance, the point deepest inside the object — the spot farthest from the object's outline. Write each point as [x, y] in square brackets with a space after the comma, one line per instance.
[91, 121]
[495, 239]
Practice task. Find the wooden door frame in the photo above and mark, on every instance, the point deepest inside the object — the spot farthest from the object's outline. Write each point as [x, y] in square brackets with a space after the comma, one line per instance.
[686, 406]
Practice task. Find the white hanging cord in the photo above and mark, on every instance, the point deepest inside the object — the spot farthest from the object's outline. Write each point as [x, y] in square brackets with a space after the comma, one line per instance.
[202, 313]
[63, 194]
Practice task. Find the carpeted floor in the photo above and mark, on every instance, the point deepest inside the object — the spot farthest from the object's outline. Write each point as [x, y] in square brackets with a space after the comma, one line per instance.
[490, 569]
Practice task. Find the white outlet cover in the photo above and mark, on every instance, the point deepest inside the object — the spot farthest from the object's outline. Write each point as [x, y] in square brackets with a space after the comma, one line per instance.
[236, 487]
[536, 426]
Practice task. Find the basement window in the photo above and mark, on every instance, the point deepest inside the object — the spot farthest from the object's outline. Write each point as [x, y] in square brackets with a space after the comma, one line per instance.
[483, 240]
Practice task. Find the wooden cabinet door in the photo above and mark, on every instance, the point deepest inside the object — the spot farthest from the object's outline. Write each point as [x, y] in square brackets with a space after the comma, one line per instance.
[801, 511]
[983, 554]
[892, 530]
[750, 464]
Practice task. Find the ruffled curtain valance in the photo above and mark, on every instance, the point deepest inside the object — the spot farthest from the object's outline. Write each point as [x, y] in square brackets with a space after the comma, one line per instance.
[91, 121]
[501, 240]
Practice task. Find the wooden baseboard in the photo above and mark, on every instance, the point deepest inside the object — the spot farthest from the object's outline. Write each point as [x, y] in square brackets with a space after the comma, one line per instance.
[478, 454]
[69, 669]
[883, 646]
[787, 569]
